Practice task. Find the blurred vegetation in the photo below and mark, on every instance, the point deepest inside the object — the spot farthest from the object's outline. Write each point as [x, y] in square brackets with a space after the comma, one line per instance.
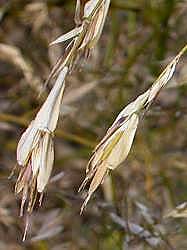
[139, 39]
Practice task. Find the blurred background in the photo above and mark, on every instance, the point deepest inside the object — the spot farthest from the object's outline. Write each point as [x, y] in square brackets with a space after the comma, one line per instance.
[140, 38]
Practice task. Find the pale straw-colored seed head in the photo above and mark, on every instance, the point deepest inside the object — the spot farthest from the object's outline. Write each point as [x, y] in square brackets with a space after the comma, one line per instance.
[90, 18]
[46, 162]
[35, 151]
[116, 144]
[91, 15]
[46, 120]
[110, 153]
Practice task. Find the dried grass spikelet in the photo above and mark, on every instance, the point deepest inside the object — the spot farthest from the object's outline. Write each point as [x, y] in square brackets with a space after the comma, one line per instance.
[111, 152]
[35, 151]
[115, 146]
[89, 18]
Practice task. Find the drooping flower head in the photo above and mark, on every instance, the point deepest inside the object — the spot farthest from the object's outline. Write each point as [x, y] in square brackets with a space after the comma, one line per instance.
[90, 17]
[111, 151]
[35, 151]
[116, 144]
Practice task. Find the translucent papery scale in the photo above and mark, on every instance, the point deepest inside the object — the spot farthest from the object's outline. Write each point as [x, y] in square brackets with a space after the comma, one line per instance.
[90, 18]
[46, 120]
[23, 178]
[106, 146]
[35, 158]
[120, 141]
[163, 79]
[27, 185]
[91, 26]
[88, 36]
[79, 12]
[46, 162]
[27, 143]
[48, 115]
[97, 21]
[102, 13]
[95, 26]
[89, 7]
[121, 149]
[146, 98]
[35, 152]
[135, 106]
[110, 154]
[42, 159]
[34, 176]
[71, 34]
[90, 31]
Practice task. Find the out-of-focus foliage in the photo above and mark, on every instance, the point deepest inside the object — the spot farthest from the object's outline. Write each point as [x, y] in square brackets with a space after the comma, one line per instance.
[139, 39]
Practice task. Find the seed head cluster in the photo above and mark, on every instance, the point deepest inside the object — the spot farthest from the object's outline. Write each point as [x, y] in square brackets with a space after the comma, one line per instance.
[35, 150]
